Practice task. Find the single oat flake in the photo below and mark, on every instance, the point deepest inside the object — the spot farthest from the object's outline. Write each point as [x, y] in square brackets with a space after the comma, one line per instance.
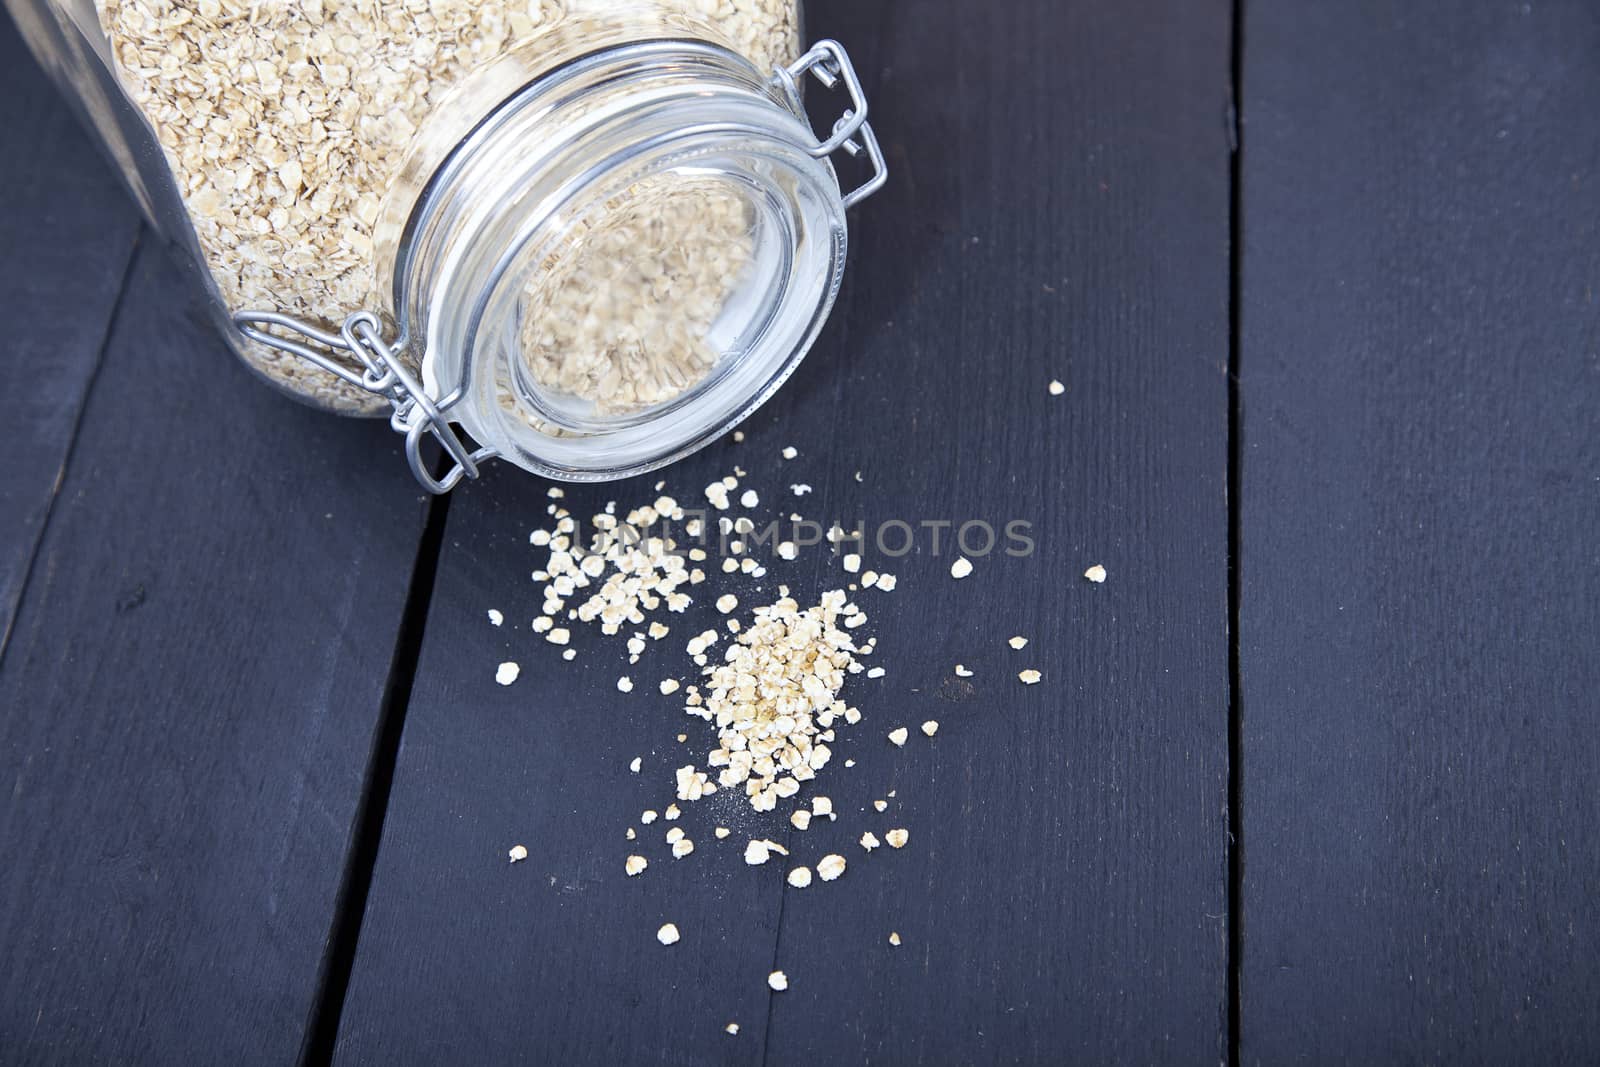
[898, 736]
[1029, 677]
[668, 934]
[869, 841]
[930, 727]
[778, 981]
[507, 673]
[897, 838]
[1018, 643]
[518, 853]
[634, 865]
[961, 567]
[1096, 574]
[800, 877]
[894, 938]
[732, 1028]
[830, 867]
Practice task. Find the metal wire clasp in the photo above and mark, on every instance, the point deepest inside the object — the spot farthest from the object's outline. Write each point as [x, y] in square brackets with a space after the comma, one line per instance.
[383, 373]
[828, 62]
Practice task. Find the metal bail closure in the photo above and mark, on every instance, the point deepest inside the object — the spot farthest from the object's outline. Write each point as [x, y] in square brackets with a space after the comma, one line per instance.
[384, 374]
[828, 62]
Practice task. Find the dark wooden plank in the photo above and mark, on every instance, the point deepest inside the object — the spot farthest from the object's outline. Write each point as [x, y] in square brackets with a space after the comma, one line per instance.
[65, 237]
[1421, 586]
[1058, 208]
[190, 697]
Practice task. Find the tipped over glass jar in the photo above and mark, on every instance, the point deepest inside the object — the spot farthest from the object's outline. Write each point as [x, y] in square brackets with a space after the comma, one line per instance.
[586, 236]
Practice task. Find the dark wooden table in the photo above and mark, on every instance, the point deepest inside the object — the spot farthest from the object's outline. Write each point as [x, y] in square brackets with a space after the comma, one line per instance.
[1312, 777]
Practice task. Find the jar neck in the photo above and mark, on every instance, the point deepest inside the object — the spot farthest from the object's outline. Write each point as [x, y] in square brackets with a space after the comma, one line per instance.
[572, 144]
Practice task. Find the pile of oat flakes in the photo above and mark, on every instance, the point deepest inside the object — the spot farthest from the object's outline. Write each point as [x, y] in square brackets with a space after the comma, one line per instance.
[775, 696]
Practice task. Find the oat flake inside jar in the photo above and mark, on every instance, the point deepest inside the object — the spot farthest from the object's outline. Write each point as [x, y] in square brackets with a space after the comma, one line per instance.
[583, 235]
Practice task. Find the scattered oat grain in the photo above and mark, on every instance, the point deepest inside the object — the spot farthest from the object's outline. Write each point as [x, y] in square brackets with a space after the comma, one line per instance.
[518, 852]
[897, 838]
[668, 934]
[961, 567]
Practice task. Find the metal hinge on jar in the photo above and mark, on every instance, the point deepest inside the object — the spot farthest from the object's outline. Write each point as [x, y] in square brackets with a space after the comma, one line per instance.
[828, 62]
[384, 374]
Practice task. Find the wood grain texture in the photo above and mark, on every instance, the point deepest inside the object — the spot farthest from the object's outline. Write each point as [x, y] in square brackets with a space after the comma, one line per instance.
[1421, 578]
[66, 233]
[1058, 209]
[189, 701]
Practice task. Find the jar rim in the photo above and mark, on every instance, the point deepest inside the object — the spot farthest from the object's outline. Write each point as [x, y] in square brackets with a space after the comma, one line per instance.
[562, 149]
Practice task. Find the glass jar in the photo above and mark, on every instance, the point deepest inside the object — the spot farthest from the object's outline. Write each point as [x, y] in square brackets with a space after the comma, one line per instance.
[591, 234]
